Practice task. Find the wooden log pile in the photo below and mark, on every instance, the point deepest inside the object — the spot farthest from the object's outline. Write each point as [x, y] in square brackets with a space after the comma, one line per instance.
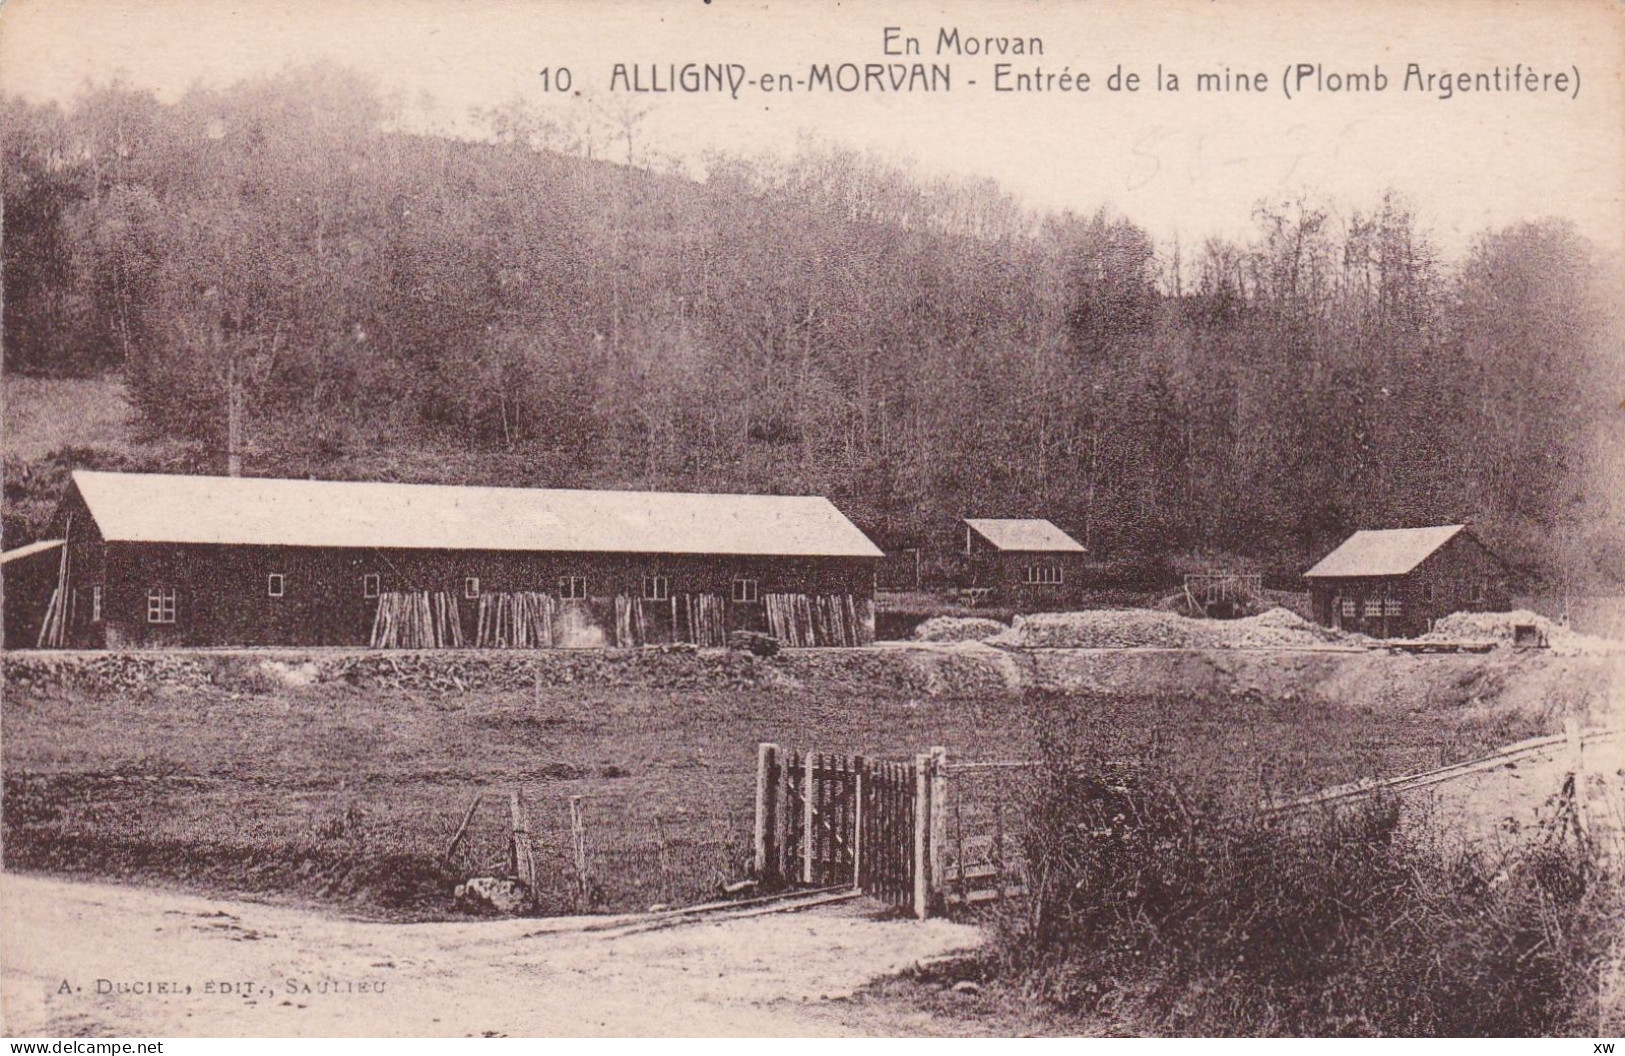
[703, 620]
[800, 620]
[53, 633]
[417, 619]
[519, 620]
[631, 624]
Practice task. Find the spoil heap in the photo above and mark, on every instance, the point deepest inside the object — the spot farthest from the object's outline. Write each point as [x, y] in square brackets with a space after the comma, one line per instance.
[1148, 629]
[958, 629]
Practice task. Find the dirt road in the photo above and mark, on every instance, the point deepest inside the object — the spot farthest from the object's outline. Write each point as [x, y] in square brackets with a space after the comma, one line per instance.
[93, 959]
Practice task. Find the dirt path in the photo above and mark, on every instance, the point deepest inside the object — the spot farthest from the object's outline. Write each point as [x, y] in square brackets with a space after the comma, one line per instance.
[292, 972]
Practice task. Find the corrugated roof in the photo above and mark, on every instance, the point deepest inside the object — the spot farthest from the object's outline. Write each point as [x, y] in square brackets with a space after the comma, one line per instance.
[30, 550]
[1024, 534]
[156, 508]
[1383, 552]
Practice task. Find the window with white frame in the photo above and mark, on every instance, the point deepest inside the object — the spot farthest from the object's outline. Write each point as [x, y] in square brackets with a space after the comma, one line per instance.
[656, 588]
[369, 585]
[276, 584]
[573, 588]
[96, 604]
[747, 590]
[1393, 607]
[161, 605]
[1044, 575]
[1373, 607]
[1351, 608]
[471, 586]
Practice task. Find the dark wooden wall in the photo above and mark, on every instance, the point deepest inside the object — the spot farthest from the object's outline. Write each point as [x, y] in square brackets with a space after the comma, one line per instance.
[223, 597]
[1439, 586]
[1005, 571]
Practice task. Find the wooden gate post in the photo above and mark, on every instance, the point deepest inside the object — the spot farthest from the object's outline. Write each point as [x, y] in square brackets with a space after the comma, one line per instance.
[857, 825]
[809, 786]
[939, 824]
[922, 836]
[767, 790]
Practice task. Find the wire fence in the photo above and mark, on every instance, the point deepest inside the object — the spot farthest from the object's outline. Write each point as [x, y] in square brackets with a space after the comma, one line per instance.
[609, 852]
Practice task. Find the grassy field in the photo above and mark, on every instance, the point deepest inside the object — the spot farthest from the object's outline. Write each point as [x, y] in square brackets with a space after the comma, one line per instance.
[345, 796]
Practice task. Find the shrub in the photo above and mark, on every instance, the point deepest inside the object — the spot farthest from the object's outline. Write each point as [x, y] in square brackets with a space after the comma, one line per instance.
[1158, 908]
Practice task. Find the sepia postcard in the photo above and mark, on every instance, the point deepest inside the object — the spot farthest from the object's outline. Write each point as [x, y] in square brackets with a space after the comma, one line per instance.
[705, 518]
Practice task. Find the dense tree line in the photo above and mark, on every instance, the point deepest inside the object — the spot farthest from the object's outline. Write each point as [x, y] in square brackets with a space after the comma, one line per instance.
[554, 304]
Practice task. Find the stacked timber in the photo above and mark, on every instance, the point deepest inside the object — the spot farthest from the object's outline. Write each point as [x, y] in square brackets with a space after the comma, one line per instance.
[632, 621]
[417, 620]
[518, 620]
[800, 620]
[702, 620]
[53, 633]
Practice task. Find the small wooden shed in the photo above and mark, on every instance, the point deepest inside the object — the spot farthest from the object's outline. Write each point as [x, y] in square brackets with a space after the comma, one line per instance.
[1394, 582]
[1025, 563]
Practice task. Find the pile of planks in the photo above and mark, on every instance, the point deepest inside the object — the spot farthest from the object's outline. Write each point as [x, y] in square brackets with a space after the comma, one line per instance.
[631, 624]
[520, 620]
[417, 620]
[53, 633]
[704, 621]
[799, 620]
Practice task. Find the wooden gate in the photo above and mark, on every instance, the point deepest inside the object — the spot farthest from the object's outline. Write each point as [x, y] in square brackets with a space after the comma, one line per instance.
[920, 834]
[824, 819]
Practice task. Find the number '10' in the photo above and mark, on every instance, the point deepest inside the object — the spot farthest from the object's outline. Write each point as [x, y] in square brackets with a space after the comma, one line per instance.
[557, 79]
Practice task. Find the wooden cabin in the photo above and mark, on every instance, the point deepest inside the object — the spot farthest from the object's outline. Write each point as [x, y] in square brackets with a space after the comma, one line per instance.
[235, 561]
[1023, 563]
[1393, 583]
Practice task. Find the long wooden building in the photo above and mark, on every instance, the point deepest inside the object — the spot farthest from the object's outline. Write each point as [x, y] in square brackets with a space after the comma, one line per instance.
[215, 561]
[1395, 582]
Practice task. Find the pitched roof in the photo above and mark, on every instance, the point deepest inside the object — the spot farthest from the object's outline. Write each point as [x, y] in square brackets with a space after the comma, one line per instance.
[1024, 534]
[156, 508]
[1384, 552]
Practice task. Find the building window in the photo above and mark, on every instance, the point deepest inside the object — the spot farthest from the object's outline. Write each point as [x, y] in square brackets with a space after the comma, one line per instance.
[747, 590]
[573, 588]
[96, 604]
[1373, 607]
[1393, 607]
[1044, 575]
[1351, 608]
[369, 585]
[1427, 593]
[656, 588]
[1478, 592]
[160, 605]
[471, 587]
[275, 584]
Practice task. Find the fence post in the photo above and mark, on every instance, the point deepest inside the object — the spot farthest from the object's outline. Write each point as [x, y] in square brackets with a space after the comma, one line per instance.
[766, 811]
[922, 835]
[857, 825]
[939, 824]
[578, 836]
[462, 830]
[1576, 739]
[524, 858]
[809, 784]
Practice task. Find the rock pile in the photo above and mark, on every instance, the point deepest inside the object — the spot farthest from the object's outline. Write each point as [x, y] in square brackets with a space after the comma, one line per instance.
[1150, 629]
[958, 629]
[1501, 628]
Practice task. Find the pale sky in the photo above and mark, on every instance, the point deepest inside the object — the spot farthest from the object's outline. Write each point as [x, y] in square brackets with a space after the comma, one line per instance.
[1188, 163]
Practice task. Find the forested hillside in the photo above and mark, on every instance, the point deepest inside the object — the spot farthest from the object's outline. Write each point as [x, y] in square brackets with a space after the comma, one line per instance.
[556, 306]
